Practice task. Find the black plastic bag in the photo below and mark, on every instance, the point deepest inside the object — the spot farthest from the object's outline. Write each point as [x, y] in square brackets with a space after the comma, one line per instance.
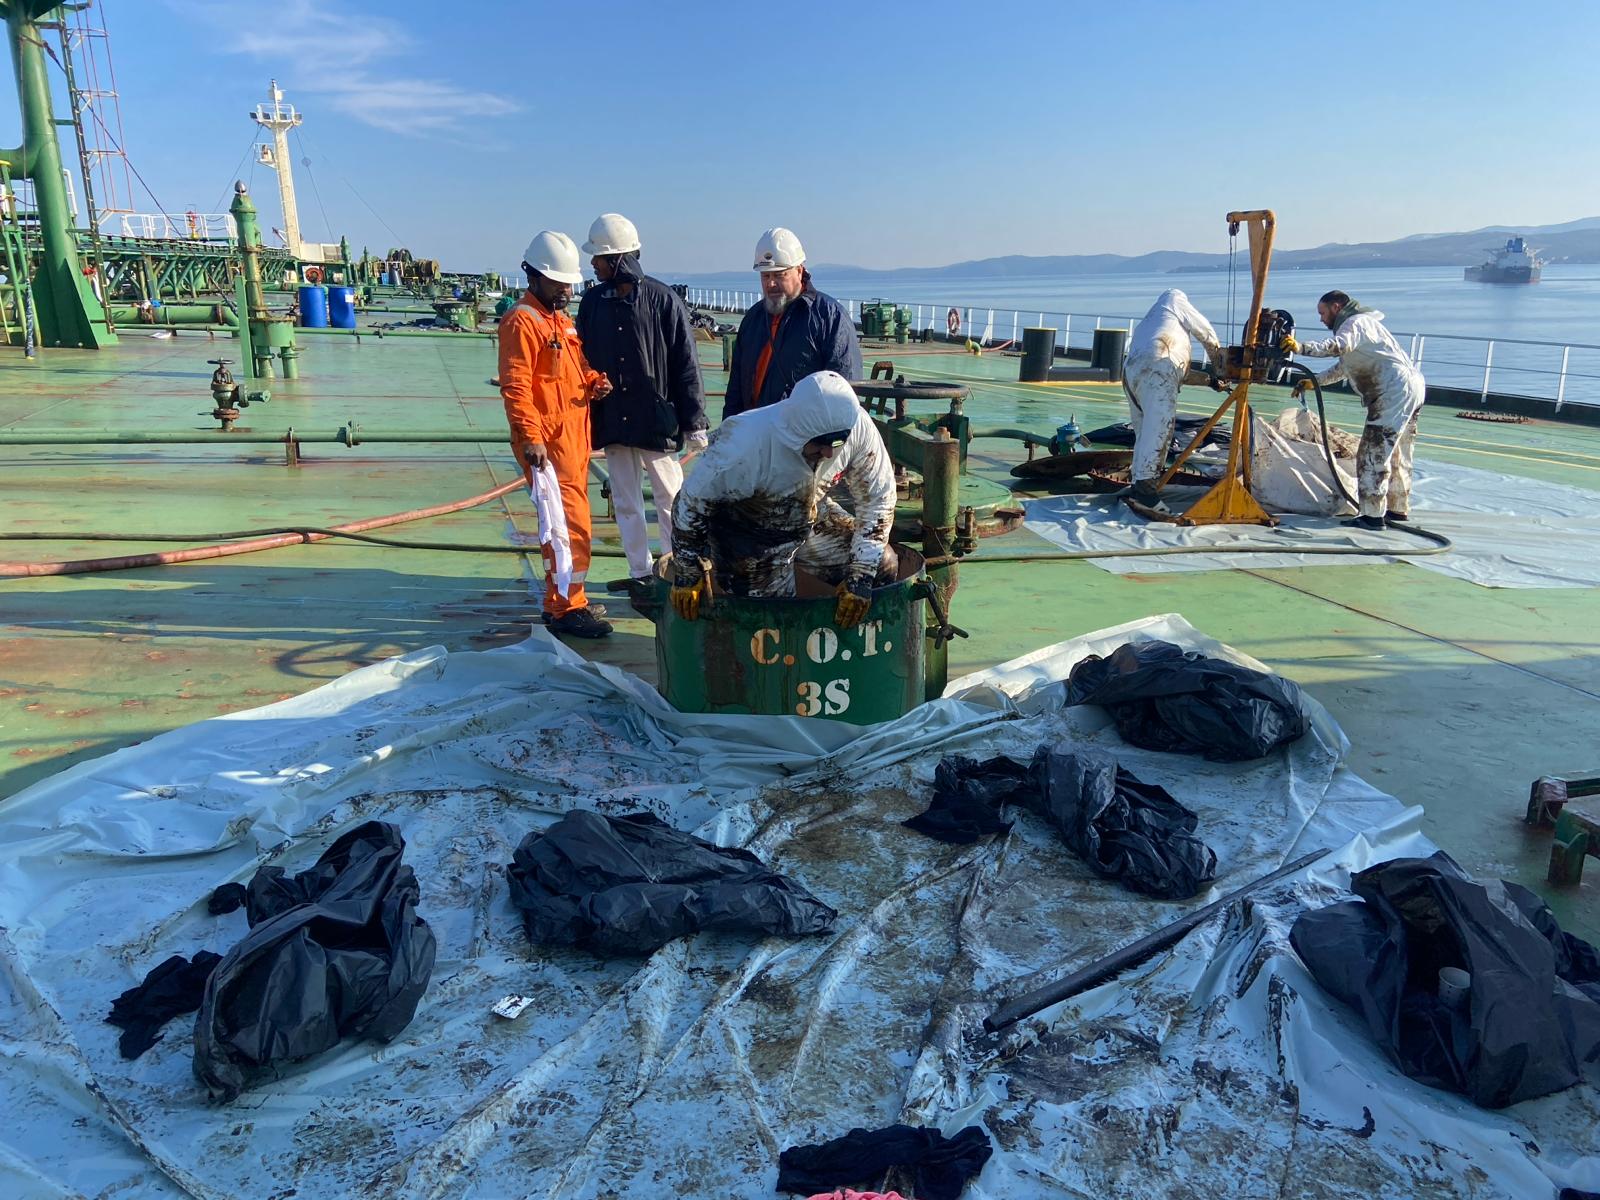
[628, 885]
[172, 988]
[1183, 431]
[336, 951]
[1163, 697]
[1124, 828]
[1525, 1030]
[939, 1166]
[967, 798]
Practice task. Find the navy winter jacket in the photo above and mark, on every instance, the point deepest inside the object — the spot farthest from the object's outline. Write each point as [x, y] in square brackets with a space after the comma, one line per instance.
[816, 334]
[645, 346]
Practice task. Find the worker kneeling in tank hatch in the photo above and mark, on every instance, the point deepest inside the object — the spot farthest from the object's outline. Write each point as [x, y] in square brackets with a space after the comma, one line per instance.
[547, 385]
[636, 330]
[1391, 387]
[794, 331]
[1158, 360]
[757, 504]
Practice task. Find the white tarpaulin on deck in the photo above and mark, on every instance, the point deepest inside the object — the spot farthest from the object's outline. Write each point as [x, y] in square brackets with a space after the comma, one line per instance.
[1218, 1068]
[1508, 531]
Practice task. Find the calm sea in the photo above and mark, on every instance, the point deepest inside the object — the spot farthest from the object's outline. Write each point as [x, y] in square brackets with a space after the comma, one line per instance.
[1562, 309]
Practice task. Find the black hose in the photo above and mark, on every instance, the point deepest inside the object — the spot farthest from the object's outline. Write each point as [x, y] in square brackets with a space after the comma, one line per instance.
[1327, 447]
[1333, 467]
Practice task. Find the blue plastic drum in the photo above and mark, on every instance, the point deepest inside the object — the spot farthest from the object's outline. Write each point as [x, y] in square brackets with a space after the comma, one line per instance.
[342, 307]
[313, 307]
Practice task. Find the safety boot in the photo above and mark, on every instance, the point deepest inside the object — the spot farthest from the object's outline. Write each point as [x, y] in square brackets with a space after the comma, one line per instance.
[580, 623]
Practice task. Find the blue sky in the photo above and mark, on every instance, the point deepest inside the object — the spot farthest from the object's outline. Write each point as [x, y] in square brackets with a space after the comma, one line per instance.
[885, 135]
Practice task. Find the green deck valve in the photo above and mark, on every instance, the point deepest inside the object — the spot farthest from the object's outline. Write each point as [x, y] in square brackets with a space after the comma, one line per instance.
[229, 395]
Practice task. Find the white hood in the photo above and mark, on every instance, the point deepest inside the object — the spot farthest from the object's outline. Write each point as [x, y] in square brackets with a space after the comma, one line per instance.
[1167, 328]
[758, 453]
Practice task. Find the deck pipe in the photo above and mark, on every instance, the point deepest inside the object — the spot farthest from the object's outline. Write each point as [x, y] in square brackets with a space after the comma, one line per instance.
[1016, 435]
[369, 331]
[345, 435]
[213, 316]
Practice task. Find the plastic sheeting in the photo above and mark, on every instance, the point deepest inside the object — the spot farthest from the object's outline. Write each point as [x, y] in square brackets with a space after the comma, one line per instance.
[1218, 1065]
[1508, 531]
[1289, 465]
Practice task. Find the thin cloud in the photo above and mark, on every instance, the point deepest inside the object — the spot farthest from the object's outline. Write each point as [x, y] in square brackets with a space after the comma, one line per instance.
[413, 105]
[339, 56]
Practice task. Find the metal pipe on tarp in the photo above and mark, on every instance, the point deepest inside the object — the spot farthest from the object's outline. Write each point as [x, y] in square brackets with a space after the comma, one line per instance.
[1131, 955]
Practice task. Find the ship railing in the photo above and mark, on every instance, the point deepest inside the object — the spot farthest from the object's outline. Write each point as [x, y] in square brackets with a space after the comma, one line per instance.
[1565, 373]
[187, 227]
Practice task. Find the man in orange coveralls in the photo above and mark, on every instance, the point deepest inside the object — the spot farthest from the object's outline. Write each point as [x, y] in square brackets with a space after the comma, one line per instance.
[547, 385]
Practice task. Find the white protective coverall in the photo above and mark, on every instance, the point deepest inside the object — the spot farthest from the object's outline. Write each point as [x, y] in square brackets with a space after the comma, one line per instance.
[1158, 359]
[1390, 385]
[752, 507]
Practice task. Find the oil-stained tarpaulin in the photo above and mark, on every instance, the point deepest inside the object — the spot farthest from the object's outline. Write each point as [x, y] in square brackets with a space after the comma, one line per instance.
[1509, 531]
[1219, 1065]
[1163, 697]
[630, 884]
[337, 951]
[1526, 1029]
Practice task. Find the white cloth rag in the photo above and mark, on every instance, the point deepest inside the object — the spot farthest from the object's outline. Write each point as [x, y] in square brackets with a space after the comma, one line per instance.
[546, 494]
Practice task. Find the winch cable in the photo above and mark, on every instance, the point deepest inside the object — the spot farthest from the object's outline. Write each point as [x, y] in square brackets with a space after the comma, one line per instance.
[1443, 542]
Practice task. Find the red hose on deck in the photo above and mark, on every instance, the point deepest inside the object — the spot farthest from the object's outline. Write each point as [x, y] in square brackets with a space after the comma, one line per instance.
[164, 558]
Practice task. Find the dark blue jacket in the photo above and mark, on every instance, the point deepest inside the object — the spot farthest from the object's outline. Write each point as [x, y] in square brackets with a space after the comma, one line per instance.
[646, 347]
[816, 334]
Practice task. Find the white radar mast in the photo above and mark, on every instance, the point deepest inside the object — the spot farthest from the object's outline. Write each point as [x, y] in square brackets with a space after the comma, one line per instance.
[279, 117]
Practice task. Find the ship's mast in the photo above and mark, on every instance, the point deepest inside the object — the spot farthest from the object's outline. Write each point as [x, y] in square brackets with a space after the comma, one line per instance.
[280, 118]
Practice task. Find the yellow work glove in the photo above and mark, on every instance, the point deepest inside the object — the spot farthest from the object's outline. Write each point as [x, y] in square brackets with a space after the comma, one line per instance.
[1288, 345]
[1301, 387]
[854, 599]
[686, 599]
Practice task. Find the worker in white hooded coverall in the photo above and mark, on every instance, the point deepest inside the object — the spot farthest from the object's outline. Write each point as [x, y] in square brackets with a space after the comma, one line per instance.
[1390, 385]
[1158, 360]
[757, 503]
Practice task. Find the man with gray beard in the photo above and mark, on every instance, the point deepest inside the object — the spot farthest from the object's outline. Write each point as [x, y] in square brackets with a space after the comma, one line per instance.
[795, 331]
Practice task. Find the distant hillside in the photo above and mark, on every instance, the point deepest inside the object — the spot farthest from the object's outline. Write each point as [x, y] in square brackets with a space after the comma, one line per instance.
[1569, 242]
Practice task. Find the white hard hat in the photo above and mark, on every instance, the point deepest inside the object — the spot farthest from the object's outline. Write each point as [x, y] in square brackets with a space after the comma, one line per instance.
[612, 233]
[555, 256]
[778, 250]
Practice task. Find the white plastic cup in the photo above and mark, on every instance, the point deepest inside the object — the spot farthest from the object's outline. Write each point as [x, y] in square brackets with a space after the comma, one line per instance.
[1454, 987]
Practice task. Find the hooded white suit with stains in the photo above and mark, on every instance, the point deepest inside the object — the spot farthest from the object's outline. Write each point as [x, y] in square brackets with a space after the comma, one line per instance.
[1158, 359]
[753, 505]
[1392, 388]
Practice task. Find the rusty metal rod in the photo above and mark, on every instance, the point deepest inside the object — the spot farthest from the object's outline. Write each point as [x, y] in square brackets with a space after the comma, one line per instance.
[1132, 954]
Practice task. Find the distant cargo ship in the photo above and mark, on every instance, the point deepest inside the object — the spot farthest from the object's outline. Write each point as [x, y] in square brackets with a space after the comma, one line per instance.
[1512, 263]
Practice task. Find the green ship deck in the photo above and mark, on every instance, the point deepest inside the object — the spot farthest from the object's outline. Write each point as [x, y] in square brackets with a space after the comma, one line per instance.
[1454, 696]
